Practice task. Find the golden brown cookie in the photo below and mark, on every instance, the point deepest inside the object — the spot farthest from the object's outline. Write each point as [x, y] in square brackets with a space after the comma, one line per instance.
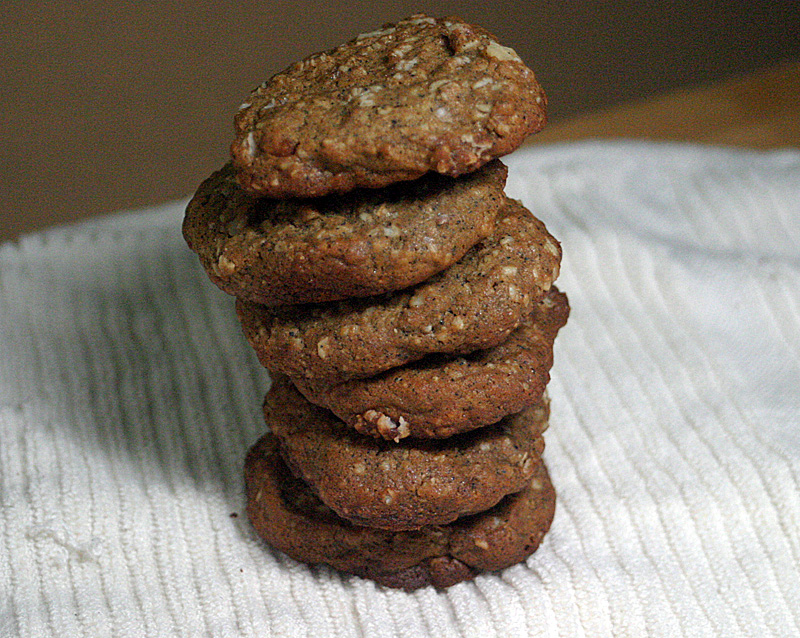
[421, 95]
[290, 517]
[474, 304]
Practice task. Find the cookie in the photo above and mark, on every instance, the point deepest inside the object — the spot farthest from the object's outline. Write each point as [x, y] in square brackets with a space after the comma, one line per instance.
[401, 486]
[421, 95]
[474, 304]
[439, 396]
[290, 517]
[365, 242]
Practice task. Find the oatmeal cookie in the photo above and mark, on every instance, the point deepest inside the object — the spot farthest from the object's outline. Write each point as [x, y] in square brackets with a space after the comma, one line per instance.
[439, 396]
[474, 304]
[401, 486]
[290, 517]
[421, 95]
[365, 242]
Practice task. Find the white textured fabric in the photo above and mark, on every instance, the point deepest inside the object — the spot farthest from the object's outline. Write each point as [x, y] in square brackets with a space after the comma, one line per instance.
[128, 398]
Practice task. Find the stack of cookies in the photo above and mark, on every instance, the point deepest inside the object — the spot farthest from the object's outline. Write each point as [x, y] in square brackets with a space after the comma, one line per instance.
[402, 304]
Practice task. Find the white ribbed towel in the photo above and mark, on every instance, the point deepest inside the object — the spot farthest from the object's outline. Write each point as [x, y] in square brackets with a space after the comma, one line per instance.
[128, 399]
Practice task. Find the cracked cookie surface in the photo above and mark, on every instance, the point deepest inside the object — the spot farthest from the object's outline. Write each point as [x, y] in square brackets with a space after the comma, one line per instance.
[420, 95]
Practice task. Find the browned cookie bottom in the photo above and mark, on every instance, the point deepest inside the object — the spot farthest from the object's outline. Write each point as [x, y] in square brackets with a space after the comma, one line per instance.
[287, 514]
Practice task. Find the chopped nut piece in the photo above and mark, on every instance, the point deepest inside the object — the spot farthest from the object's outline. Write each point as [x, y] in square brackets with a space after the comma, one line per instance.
[323, 347]
[226, 266]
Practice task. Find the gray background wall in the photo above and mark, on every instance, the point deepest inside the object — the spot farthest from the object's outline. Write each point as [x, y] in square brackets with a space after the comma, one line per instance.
[110, 105]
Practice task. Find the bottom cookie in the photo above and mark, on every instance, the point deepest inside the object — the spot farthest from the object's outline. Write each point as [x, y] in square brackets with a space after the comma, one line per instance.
[286, 513]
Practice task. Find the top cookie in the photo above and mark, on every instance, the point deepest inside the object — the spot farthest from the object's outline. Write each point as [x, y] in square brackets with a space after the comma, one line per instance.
[423, 94]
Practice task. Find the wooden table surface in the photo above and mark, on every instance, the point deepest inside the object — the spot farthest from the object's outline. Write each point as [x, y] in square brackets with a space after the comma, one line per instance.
[760, 111]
